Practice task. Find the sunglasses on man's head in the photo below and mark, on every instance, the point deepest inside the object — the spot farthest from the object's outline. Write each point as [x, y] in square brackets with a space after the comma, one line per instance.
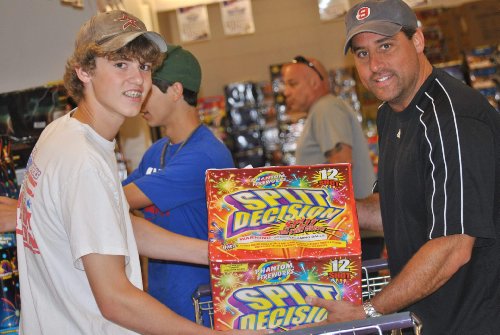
[303, 60]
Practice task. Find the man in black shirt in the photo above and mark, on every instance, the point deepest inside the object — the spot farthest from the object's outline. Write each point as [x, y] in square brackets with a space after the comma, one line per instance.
[439, 180]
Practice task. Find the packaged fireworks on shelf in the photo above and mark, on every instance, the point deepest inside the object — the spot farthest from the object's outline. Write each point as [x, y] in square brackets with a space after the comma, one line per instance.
[212, 112]
[343, 85]
[277, 235]
[455, 69]
[26, 113]
[246, 112]
[10, 304]
[243, 94]
[246, 117]
[252, 157]
[484, 72]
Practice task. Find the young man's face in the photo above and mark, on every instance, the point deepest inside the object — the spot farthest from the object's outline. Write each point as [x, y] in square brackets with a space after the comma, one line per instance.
[120, 86]
[298, 87]
[157, 108]
[388, 66]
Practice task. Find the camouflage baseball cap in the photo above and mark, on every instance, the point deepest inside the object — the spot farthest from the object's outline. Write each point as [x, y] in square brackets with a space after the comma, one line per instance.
[113, 30]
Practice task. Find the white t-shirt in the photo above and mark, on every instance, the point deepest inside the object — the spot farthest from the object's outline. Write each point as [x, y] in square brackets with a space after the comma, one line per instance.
[71, 204]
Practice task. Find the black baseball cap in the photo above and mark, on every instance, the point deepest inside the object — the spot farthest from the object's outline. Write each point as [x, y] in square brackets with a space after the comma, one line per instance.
[383, 17]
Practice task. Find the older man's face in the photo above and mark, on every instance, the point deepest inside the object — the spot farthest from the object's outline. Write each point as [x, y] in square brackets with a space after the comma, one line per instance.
[299, 92]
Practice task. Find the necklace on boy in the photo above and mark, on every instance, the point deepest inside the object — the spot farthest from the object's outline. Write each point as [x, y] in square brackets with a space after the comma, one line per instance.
[166, 145]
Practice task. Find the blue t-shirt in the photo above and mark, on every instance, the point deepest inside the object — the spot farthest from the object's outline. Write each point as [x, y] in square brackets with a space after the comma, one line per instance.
[178, 194]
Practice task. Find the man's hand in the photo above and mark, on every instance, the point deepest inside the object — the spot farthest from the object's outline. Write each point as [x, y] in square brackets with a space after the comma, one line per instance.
[338, 311]
[8, 210]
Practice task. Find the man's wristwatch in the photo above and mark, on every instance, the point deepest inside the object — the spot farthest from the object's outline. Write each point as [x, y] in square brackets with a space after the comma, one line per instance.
[370, 311]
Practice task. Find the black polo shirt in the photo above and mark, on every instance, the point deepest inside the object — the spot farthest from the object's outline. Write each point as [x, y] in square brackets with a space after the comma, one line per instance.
[439, 174]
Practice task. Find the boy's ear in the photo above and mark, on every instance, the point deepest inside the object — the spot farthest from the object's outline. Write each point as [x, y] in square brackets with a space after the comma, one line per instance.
[178, 90]
[83, 75]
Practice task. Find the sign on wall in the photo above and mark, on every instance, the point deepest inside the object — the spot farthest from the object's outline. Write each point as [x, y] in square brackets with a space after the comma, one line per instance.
[237, 17]
[193, 23]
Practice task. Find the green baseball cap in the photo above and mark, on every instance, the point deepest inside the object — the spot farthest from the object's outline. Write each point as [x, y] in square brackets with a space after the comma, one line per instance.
[180, 66]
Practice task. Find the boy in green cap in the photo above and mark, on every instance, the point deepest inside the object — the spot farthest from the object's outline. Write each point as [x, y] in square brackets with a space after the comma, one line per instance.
[169, 184]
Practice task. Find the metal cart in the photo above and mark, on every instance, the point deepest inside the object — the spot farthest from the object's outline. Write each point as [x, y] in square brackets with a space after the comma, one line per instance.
[375, 276]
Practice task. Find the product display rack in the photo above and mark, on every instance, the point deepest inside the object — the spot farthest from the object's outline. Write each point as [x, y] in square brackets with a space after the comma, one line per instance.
[483, 64]
[245, 110]
[9, 276]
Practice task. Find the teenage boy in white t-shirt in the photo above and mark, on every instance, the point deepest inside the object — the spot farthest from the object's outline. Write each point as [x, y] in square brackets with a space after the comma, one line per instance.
[77, 253]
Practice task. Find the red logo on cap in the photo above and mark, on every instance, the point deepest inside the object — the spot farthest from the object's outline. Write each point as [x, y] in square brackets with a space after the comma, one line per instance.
[363, 13]
[129, 22]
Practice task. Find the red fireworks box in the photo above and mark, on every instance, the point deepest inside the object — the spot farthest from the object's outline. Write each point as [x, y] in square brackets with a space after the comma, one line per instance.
[277, 235]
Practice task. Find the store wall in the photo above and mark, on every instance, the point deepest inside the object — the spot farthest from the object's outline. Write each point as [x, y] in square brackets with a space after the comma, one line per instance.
[36, 38]
[283, 29]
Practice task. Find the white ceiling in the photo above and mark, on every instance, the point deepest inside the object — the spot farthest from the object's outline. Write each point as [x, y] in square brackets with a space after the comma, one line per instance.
[164, 5]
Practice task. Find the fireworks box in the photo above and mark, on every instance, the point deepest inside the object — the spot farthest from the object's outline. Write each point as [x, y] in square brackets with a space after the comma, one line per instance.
[277, 235]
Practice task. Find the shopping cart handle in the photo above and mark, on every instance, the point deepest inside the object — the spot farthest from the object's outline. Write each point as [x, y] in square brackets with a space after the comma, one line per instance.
[366, 326]
[202, 291]
[373, 265]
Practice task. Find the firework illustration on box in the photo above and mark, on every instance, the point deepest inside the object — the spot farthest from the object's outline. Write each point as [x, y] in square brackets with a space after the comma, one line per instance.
[277, 235]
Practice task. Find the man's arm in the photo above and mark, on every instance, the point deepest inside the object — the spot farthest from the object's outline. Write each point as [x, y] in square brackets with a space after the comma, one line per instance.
[429, 269]
[8, 213]
[135, 197]
[156, 242]
[341, 153]
[368, 210]
[124, 304]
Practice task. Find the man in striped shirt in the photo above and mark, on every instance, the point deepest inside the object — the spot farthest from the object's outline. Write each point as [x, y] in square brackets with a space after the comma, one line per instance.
[439, 180]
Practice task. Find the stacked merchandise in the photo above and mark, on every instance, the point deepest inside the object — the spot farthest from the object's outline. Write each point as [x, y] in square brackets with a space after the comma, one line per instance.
[9, 276]
[479, 23]
[439, 26]
[277, 235]
[270, 132]
[8, 185]
[484, 72]
[212, 111]
[24, 114]
[246, 118]
[344, 86]
[455, 69]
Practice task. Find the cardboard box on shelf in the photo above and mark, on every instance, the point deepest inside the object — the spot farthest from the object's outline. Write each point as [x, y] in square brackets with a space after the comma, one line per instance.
[442, 33]
[277, 235]
[479, 23]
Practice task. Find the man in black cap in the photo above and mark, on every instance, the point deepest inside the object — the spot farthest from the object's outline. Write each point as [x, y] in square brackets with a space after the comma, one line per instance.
[439, 180]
